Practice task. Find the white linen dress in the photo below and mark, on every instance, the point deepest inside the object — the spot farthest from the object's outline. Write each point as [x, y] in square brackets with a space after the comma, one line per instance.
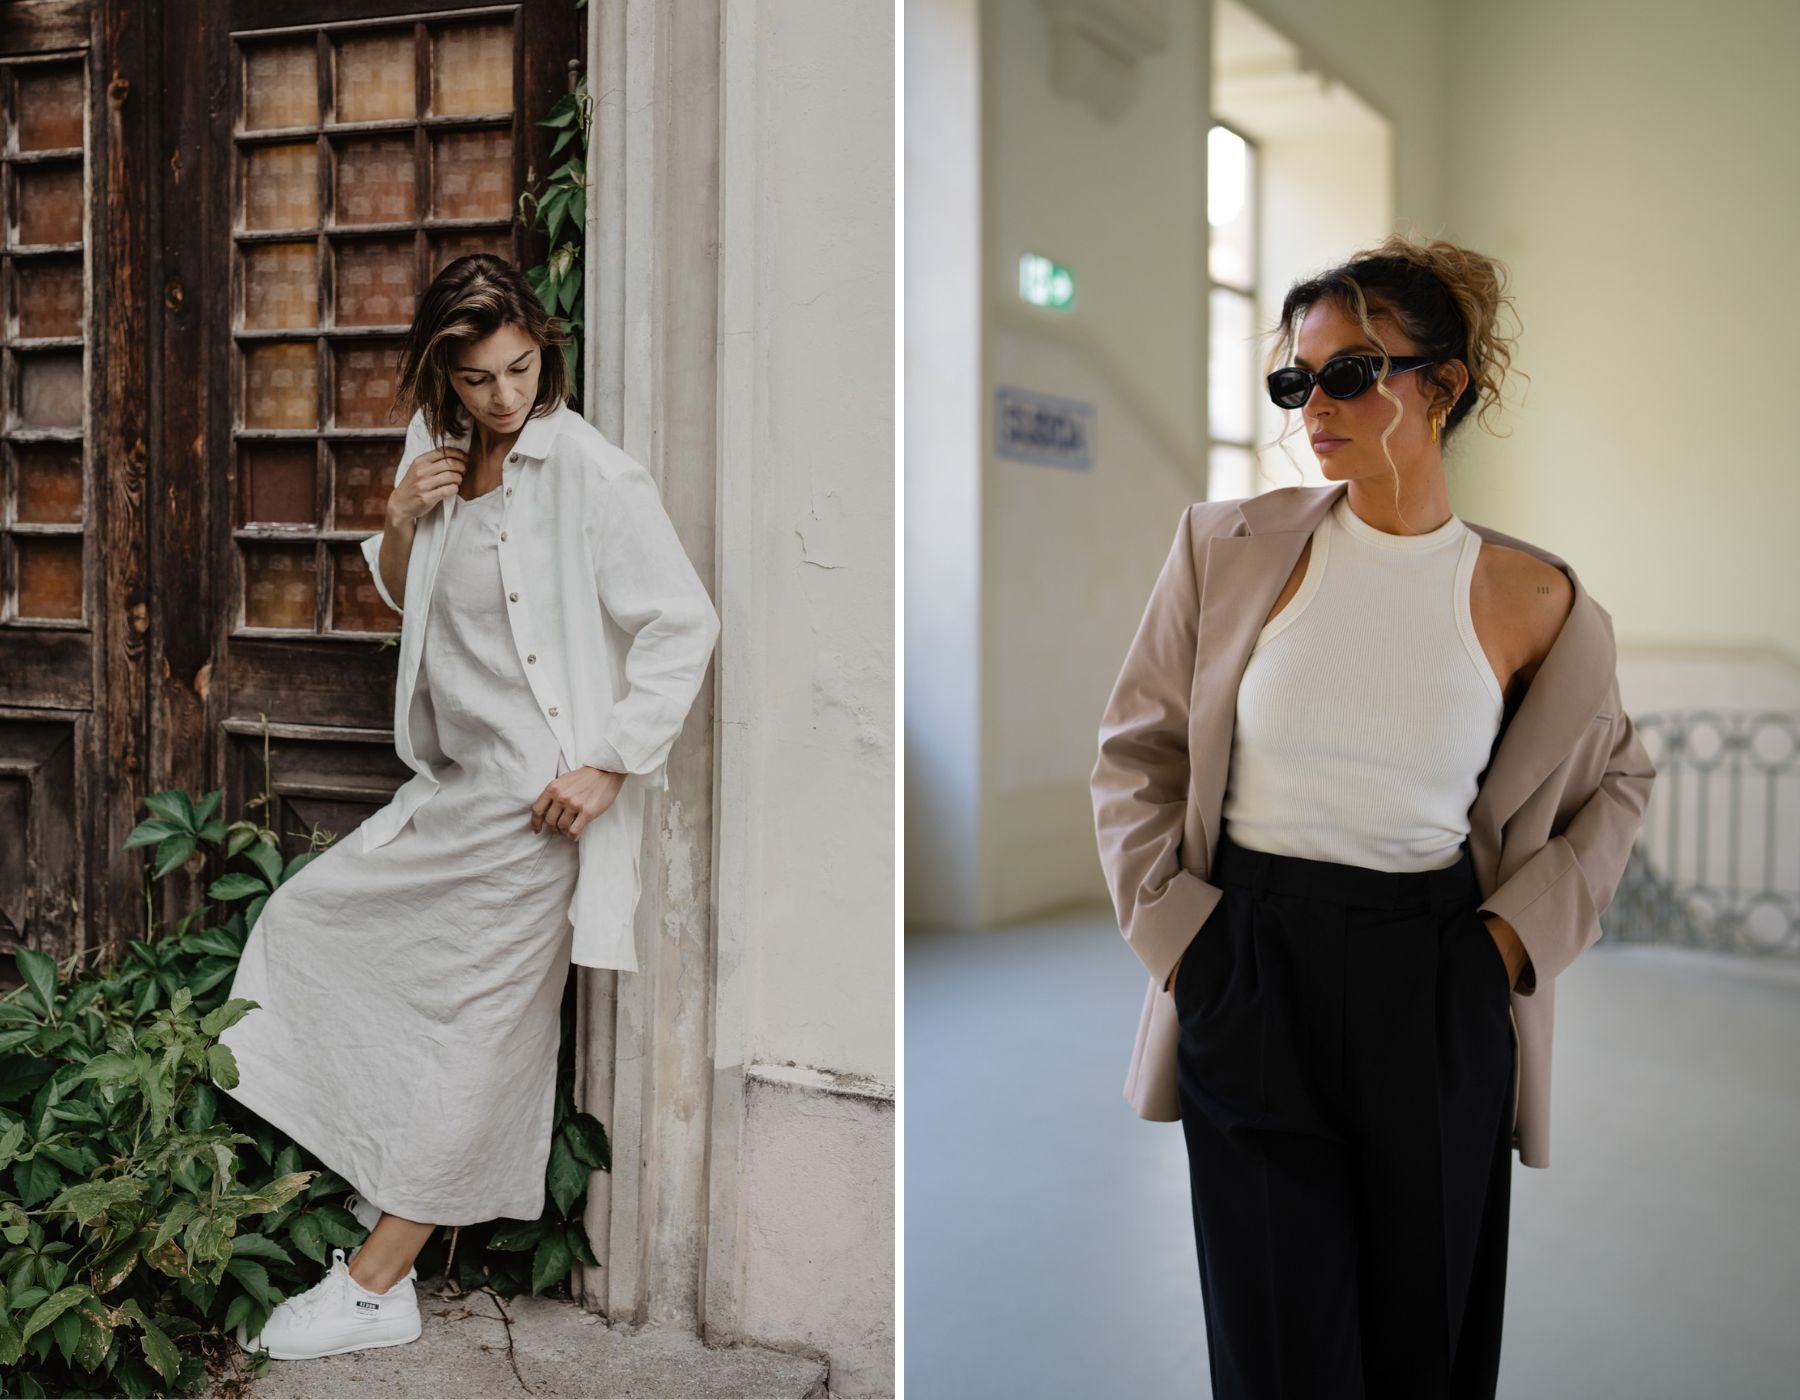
[411, 994]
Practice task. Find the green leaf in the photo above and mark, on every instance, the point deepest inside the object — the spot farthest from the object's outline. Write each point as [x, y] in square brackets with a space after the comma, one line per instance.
[94, 1201]
[552, 1262]
[567, 1178]
[251, 1274]
[173, 807]
[11, 1040]
[178, 1216]
[242, 834]
[54, 1307]
[266, 859]
[214, 940]
[221, 1064]
[236, 886]
[159, 1351]
[226, 1014]
[588, 1141]
[67, 1331]
[39, 971]
[561, 141]
[305, 1236]
[576, 1238]
[299, 863]
[150, 833]
[207, 805]
[96, 1335]
[523, 1235]
[172, 853]
[253, 908]
[255, 1246]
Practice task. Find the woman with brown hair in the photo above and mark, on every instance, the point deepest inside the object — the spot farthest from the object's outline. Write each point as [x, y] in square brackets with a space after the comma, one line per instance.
[409, 980]
[1351, 987]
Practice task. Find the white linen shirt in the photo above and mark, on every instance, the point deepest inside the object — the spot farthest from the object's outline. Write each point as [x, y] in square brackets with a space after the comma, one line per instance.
[613, 629]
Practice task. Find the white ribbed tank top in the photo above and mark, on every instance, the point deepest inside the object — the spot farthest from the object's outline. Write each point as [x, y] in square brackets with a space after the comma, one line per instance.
[1367, 710]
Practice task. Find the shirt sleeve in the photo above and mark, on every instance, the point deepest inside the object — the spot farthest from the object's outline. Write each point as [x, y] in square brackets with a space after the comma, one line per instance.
[648, 586]
[417, 441]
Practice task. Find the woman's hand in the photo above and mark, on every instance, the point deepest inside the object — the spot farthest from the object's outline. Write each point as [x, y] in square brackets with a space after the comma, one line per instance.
[1511, 948]
[574, 799]
[431, 477]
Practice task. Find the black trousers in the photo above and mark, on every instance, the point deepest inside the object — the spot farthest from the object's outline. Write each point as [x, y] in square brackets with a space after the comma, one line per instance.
[1345, 1074]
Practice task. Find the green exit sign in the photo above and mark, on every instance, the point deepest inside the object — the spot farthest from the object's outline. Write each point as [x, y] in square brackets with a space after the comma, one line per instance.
[1045, 283]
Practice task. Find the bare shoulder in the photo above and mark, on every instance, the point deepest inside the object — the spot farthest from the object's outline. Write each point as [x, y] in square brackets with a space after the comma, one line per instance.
[1533, 597]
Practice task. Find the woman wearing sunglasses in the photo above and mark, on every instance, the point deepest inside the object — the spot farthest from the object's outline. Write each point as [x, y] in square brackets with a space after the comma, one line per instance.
[1349, 1010]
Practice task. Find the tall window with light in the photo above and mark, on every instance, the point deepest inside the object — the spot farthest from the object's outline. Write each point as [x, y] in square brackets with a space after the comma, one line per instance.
[1231, 216]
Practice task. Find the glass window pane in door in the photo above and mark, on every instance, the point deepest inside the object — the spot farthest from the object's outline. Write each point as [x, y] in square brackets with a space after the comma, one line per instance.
[50, 109]
[281, 385]
[376, 282]
[368, 374]
[49, 577]
[375, 181]
[375, 78]
[276, 482]
[472, 69]
[46, 297]
[355, 605]
[279, 585]
[281, 286]
[281, 186]
[49, 482]
[49, 390]
[362, 477]
[281, 85]
[49, 203]
[472, 174]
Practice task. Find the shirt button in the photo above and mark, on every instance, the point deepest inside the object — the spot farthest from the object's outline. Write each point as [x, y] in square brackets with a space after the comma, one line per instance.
[533, 657]
[513, 458]
[513, 596]
[553, 709]
[503, 534]
[509, 490]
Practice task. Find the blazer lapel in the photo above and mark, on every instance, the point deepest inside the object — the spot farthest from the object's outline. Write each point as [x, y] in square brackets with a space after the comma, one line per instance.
[1242, 573]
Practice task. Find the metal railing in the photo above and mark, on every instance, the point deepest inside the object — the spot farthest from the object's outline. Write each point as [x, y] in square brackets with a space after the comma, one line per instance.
[1717, 863]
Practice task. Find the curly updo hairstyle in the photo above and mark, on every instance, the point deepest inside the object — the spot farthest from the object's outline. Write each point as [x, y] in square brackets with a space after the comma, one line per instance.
[1446, 298]
[468, 301]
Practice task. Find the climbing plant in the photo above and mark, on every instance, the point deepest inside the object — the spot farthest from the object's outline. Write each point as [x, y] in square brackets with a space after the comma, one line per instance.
[559, 211]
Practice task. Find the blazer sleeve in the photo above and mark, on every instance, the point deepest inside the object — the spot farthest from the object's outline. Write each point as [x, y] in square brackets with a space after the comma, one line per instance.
[648, 586]
[417, 441]
[1555, 899]
[1140, 780]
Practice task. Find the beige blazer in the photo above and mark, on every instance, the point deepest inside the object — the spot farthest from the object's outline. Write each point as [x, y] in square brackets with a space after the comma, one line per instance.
[1559, 804]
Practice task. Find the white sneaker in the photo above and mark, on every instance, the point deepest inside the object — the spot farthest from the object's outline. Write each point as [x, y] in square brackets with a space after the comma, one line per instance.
[338, 1314]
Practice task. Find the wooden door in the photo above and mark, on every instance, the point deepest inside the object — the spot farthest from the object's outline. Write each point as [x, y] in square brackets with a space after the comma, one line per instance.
[276, 183]
[52, 600]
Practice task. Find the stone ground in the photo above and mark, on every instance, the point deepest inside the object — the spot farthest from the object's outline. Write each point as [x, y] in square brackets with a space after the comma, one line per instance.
[480, 1345]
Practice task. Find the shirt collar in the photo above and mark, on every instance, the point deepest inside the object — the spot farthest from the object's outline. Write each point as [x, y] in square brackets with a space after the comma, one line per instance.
[538, 434]
[534, 440]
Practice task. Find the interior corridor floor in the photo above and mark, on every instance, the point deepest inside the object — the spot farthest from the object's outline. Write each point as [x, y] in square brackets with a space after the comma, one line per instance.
[1049, 1238]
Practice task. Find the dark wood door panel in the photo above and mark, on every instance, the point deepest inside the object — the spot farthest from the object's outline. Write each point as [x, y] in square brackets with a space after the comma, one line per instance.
[41, 848]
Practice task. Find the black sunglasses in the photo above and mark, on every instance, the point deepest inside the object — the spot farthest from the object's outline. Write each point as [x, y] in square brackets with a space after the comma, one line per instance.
[1342, 377]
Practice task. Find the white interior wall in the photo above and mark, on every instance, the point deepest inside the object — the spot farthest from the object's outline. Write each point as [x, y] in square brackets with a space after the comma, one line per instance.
[1069, 556]
[1627, 160]
[943, 460]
